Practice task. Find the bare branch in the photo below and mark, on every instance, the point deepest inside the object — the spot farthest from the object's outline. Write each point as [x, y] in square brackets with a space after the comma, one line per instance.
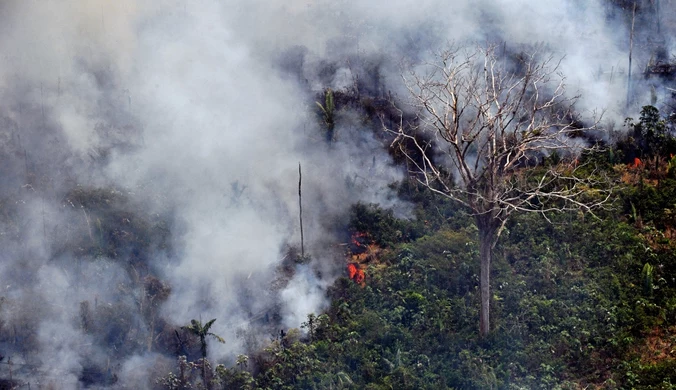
[479, 129]
[479, 138]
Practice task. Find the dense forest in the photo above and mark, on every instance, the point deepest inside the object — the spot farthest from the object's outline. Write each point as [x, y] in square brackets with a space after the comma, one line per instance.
[317, 194]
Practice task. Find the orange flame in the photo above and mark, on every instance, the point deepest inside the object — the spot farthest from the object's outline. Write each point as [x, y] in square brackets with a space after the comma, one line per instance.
[355, 273]
[359, 278]
[351, 270]
[637, 162]
[355, 240]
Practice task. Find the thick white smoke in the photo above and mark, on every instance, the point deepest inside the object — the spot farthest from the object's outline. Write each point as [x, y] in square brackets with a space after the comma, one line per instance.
[201, 111]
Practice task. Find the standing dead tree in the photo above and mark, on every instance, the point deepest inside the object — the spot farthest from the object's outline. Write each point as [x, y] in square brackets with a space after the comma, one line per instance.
[300, 212]
[482, 129]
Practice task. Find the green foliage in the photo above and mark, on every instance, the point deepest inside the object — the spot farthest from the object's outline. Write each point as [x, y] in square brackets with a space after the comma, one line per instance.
[185, 378]
[654, 204]
[328, 113]
[202, 331]
[649, 137]
[380, 225]
[574, 298]
[234, 378]
[647, 275]
[290, 364]
[650, 131]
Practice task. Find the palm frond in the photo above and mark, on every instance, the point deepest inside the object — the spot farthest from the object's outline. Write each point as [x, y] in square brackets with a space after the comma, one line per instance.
[217, 337]
[208, 325]
[321, 107]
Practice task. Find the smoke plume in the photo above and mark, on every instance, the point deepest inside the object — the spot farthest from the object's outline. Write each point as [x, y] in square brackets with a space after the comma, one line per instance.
[149, 157]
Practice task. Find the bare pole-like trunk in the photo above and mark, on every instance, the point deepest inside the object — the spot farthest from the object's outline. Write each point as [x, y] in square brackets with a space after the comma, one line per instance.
[300, 212]
[631, 48]
[659, 21]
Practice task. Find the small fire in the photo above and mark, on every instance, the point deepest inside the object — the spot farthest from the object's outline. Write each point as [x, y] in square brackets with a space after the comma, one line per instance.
[356, 273]
[637, 162]
[355, 239]
[351, 270]
[362, 249]
[359, 278]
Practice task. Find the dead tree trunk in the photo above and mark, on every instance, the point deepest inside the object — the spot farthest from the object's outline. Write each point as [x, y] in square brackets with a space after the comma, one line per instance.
[631, 49]
[487, 226]
[484, 316]
[300, 213]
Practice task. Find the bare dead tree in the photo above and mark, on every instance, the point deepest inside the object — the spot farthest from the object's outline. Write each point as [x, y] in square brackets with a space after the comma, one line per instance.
[482, 127]
[631, 49]
[300, 212]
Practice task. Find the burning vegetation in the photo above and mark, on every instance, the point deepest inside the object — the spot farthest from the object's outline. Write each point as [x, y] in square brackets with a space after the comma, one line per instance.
[361, 251]
[355, 273]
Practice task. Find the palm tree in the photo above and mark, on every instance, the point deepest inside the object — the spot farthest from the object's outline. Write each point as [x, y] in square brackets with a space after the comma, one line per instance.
[197, 329]
[202, 332]
[328, 113]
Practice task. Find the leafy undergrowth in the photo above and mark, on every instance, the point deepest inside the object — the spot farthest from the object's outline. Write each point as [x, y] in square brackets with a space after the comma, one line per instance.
[577, 303]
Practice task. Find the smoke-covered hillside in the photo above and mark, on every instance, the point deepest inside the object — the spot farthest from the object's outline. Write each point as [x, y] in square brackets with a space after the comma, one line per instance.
[150, 151]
